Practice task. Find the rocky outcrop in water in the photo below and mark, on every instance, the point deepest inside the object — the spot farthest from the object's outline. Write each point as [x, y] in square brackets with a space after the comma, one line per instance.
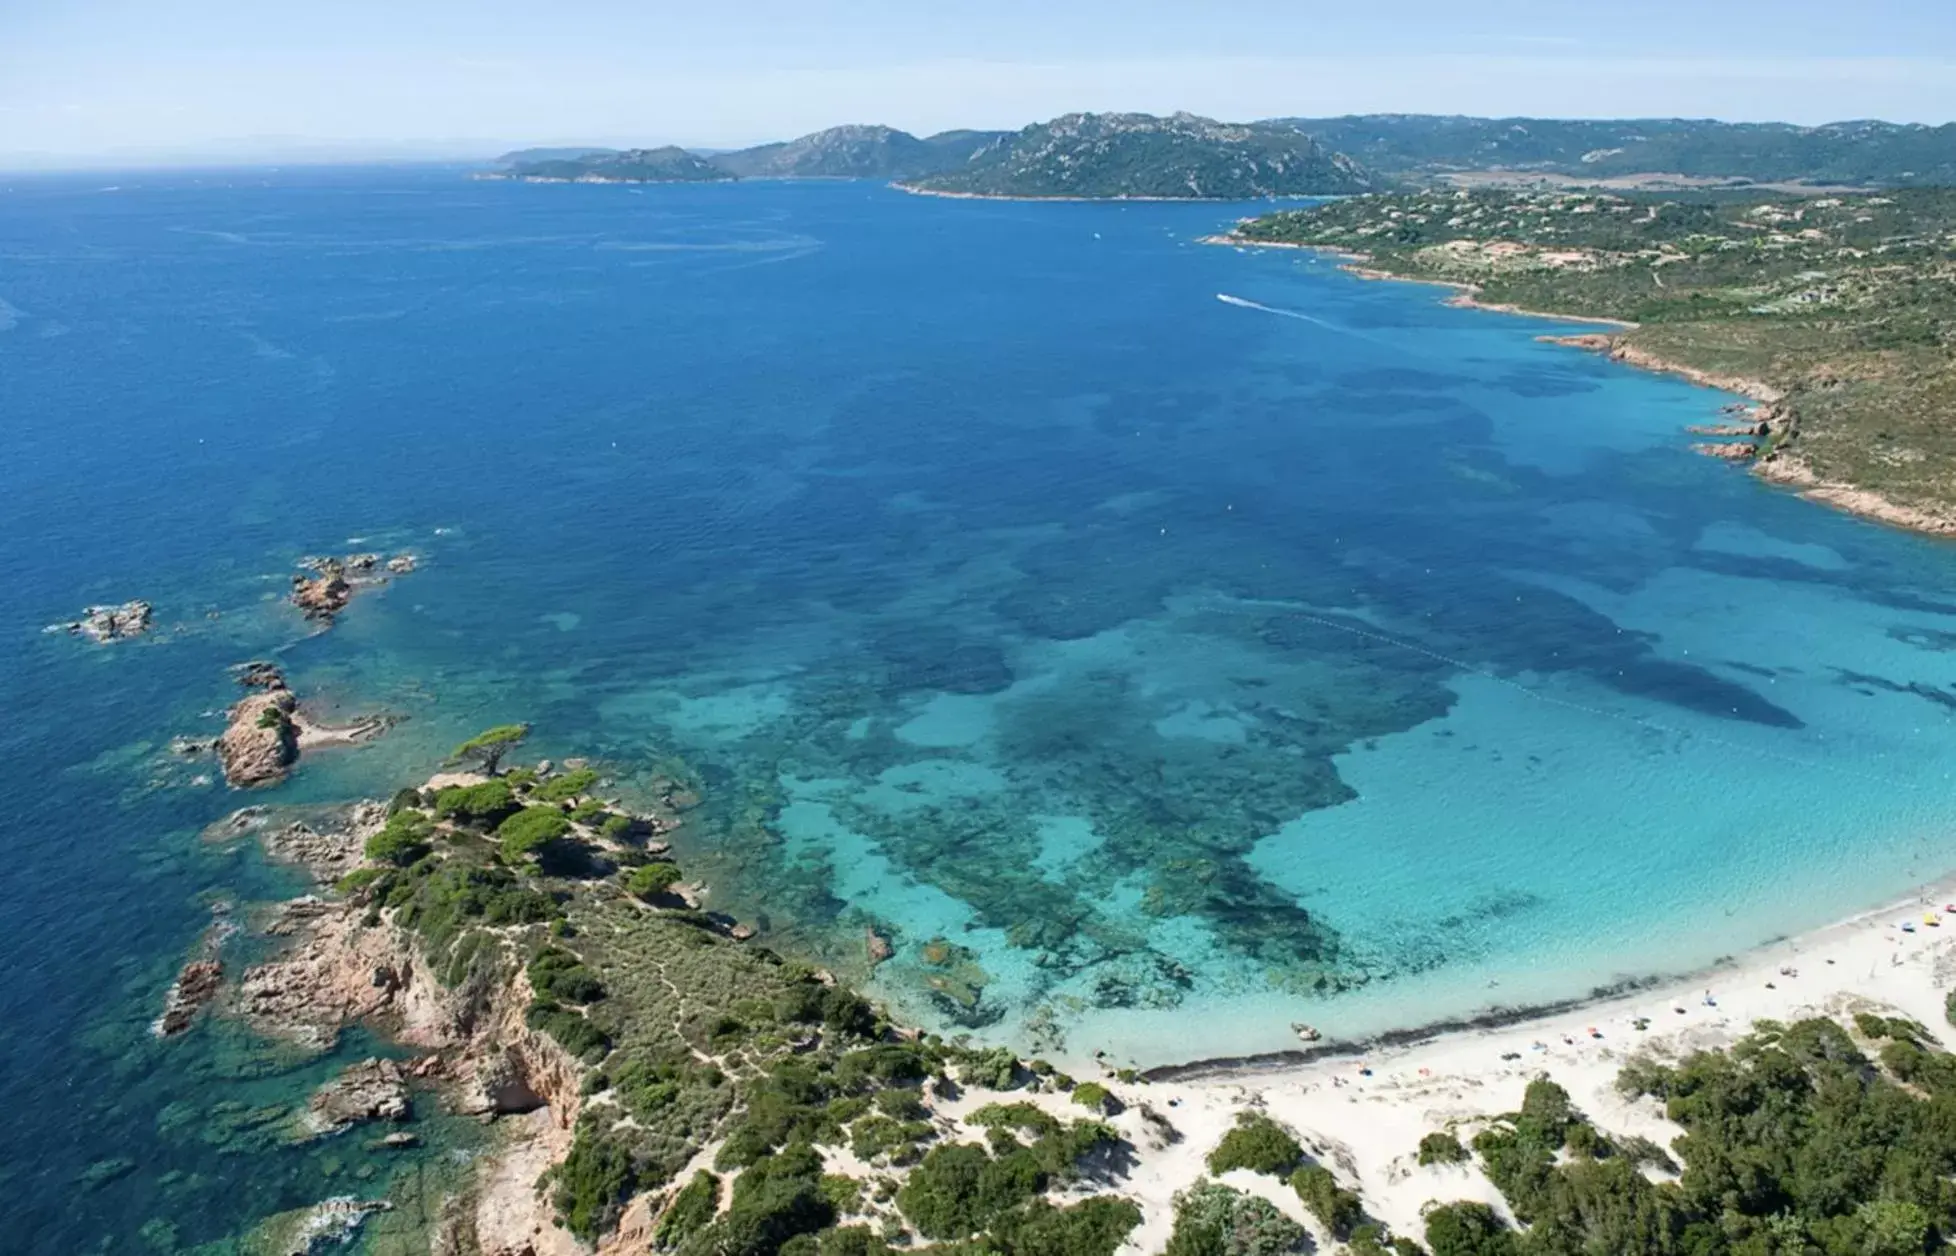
[262, 741]
[325, 593]
[104, 624]
[372, 1090]
[327, 1226]
[200, 980]
[267, 730]
[196, 985]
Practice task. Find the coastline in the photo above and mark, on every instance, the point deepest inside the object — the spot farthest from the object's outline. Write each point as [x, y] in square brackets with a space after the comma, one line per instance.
[914, 190]
[1779, 466]
[1369, 1103]
[1621, 999]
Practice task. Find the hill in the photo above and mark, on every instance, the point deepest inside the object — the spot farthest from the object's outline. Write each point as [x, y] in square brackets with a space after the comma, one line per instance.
[1139, 155]
[1884, 154]
[531, 156]
[633, 165]
[856, 152]
[1838, 312]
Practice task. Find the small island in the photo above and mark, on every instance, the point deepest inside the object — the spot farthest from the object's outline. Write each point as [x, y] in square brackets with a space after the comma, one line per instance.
[1835, 314]
[670, 164]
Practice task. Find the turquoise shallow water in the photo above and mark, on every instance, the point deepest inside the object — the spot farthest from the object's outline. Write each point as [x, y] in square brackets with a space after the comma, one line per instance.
[1189, 667]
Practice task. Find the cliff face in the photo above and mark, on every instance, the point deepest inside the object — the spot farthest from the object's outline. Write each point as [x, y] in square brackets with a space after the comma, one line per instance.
[338, 971]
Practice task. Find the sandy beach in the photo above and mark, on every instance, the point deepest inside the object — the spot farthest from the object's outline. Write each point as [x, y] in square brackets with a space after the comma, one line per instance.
[1363, 1115]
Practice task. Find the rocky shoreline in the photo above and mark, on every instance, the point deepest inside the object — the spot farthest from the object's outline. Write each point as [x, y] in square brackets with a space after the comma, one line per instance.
[1774, 461]
[267, 729]
[340, 964]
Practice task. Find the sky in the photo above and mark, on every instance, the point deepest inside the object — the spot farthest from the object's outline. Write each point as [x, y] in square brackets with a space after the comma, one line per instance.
[118, 81]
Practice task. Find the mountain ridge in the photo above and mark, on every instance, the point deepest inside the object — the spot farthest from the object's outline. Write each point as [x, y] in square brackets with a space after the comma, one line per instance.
[1179, 157]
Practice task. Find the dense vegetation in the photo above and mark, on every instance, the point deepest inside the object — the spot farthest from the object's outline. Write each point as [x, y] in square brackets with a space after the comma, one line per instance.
[1417, 145]
[1846, 306]
[683, 1036]
[1131, 154]
[1795, 1142]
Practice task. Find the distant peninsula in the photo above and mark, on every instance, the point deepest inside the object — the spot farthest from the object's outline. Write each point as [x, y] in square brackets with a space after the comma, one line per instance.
[1078, 156]
[1183, 157]
[1837, 314]
[842, 152]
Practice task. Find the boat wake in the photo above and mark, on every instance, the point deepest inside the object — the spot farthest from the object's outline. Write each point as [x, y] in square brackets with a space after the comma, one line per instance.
[1247, 304]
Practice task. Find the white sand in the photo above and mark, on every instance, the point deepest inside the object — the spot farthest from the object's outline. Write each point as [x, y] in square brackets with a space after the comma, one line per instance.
[1367, 1128]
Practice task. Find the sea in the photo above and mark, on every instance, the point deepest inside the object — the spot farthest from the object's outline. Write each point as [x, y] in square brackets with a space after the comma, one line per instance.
[1158, 644]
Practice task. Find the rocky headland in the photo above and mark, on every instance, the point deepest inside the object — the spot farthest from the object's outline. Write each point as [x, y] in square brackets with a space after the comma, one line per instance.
[529, 940]
[266, 730]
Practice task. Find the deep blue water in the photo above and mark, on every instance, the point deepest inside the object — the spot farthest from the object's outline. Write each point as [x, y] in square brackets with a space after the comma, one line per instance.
[1199, 666]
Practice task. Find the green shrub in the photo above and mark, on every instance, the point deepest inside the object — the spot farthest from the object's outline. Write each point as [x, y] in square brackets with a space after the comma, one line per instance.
[958, 1189]
[1258, 1144]
[1369, 1239]
[904, 1105]
[692, 1209]
[844, 1193]
[588, 812]
[616, 828]
[271, 717]
[573, 1032]
[359, 879]
[1642, 1152]
[897, 1140]
[995, 1068]
[455, 896]
[403, 799]
[774, 1201]
[593, 1182]
[481, 805]
[402, 840]
[558, 975]
[1337, 1209]
[1949, 1007]
[891, 1063]
[1468, 1229]
[529, 831]
[851, 1240]
[651, 880]
[1028, 1118]
[1096, 1226]
[1216, 1220]
[566, 787]
[1096, 1097]
[1441, 1147]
